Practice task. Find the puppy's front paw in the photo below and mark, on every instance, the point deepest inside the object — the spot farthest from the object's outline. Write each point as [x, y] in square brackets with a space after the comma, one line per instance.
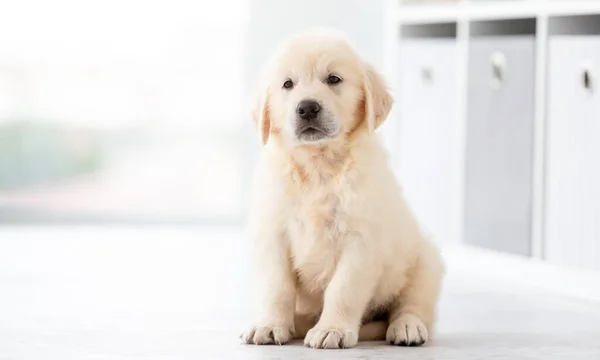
[407, 330]
[331, 338]
[268, 334]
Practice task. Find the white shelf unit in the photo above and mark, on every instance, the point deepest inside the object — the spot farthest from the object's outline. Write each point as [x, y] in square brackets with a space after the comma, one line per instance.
[470, 19]
[465, 10]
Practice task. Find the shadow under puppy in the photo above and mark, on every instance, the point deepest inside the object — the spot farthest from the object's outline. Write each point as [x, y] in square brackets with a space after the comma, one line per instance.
[338, 254]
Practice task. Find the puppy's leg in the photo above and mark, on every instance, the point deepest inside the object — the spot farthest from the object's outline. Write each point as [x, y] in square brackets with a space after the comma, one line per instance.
[346, 297]
[277, 292]
[412, 315]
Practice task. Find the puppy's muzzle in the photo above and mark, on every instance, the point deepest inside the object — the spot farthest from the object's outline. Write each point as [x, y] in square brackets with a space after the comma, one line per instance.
[309, 123]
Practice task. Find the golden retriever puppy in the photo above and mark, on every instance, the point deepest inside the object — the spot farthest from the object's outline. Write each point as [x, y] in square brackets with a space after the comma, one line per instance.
[339, 255]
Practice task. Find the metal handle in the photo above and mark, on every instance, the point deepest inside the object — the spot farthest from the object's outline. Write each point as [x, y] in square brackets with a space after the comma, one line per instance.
[588, 77]
[427, 74]
[498, 69]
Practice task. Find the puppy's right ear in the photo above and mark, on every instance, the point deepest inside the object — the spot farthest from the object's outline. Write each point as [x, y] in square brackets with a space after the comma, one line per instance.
[260, 116]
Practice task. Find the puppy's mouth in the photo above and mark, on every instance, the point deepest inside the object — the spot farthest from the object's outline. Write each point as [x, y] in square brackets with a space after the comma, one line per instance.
[311, 133]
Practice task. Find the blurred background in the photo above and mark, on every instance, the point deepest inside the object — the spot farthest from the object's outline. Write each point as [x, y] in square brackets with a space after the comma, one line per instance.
[122, 110]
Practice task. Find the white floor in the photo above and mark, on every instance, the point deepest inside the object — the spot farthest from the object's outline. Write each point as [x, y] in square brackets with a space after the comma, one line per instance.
[157, 293]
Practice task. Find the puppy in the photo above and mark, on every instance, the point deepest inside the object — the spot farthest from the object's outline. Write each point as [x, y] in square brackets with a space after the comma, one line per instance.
[339, 255]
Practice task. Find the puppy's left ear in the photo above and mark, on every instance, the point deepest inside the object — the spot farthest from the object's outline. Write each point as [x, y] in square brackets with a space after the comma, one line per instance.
[378, 100]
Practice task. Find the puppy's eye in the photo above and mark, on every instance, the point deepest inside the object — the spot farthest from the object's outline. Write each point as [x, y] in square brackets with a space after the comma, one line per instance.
[333, 80]
[288, 84]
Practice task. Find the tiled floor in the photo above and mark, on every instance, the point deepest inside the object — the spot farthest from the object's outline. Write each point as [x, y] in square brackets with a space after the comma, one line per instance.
[123, 293]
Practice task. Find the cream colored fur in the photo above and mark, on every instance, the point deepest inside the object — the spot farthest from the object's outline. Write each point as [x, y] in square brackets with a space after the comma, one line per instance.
[336, 245]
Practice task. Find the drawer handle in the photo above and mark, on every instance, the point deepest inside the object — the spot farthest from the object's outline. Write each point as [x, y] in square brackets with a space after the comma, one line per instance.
[588, 77]
[427, 75]
[498, 62]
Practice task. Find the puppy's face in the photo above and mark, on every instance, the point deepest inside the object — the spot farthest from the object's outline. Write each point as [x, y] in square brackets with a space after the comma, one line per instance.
[315, 90]
[320, 90]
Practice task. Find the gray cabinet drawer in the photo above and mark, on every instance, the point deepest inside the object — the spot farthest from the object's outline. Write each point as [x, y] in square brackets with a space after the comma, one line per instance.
[430, 145]
[498, 174]
[572, 221]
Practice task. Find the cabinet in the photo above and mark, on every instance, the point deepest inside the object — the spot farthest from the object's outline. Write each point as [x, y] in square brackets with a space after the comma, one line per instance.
[499, 144]
[430, 144]
[572, 221]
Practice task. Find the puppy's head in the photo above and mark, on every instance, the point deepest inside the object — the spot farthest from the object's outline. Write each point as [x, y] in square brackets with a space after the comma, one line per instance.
[318, 89]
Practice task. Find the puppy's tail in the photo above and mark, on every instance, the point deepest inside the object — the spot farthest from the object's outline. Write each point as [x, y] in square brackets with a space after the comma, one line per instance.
[371, 331]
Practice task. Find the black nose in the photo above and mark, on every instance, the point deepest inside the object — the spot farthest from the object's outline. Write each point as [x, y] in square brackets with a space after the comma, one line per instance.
[308, 109]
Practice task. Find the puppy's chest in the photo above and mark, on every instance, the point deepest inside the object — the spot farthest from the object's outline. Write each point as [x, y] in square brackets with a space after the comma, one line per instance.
[316, 228]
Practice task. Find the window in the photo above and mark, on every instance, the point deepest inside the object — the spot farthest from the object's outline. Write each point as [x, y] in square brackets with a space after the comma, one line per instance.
[121, 110]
